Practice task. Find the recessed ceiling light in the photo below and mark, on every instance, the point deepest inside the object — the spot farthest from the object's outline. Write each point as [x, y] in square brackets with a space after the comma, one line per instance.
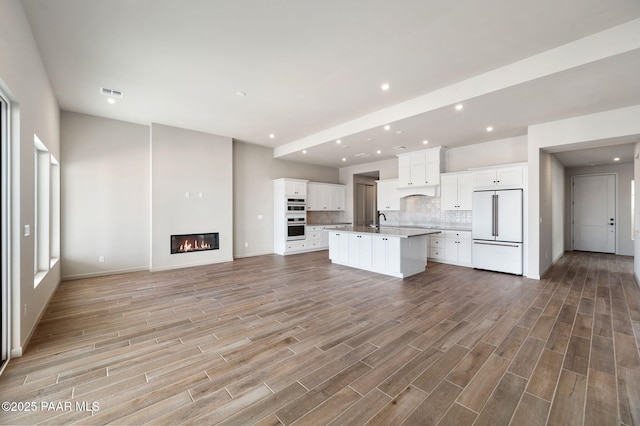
[272, 136]
[304, 151]
[241, 93]
[616, 159]
[378, 152]
[459, 107]
[387, 127]
[344, 159]
[385, 86]
[489, 129]
[424, 142]
[338, 141]
[111, 101]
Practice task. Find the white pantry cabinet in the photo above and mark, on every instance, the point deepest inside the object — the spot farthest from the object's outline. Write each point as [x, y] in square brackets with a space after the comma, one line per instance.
[456, 191]
[388, 197]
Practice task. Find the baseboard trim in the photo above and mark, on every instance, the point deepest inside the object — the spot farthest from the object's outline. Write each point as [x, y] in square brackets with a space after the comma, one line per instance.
[191, 265]
[102, 274]
[242, 256]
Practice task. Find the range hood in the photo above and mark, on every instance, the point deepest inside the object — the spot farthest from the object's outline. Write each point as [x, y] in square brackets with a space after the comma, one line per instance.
[427, 191]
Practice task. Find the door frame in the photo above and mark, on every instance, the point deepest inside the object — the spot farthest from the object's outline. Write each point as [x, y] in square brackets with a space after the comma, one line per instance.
[616, 203]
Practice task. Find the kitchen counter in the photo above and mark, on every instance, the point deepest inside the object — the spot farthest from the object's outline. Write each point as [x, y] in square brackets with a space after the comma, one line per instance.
[391, 232]
[439, 227]
[398, 252]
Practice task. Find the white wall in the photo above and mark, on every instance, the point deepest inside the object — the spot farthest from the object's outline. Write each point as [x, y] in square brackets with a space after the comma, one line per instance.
[24, 79]
[198, 163]
[105, 203]
[599, 129]
[624, 243]
[492, 153]
[254, 168]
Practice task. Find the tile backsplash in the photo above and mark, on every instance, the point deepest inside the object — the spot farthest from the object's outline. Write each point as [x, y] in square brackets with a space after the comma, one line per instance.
[424, 211]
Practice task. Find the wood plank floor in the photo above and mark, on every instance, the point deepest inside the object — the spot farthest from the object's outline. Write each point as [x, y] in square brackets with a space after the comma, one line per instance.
[276, 340]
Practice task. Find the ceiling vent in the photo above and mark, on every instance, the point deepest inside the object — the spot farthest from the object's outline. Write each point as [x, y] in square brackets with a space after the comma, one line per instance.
[362, 154]
[399, 147]
[110, 92]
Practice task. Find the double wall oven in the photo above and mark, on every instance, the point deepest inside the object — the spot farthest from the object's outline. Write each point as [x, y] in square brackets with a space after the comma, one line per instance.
[296, 217]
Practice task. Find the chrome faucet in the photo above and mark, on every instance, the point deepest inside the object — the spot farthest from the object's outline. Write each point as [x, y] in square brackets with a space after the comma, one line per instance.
[378, 221]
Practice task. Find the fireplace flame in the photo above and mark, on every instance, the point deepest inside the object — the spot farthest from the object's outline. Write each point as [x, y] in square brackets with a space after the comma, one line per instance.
[188, 246]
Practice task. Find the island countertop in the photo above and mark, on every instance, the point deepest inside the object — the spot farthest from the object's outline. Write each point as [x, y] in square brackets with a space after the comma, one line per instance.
[391, 232]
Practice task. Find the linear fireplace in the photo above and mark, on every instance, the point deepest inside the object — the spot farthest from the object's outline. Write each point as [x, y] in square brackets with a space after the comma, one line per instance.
[186, 243]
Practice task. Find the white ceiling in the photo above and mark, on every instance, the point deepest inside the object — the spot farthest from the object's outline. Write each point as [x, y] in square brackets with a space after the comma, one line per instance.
[312, 70]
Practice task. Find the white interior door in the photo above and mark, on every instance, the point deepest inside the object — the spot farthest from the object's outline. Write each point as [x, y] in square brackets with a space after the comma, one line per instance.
[594, 213]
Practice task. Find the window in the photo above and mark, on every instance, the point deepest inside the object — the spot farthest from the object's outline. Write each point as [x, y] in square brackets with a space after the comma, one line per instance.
[46, 210]
[633, 209]
[5, 290]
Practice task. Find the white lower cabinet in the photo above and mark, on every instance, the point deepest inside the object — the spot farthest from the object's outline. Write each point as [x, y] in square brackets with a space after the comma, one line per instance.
[392, 255]
[316, 238]
[386, 255]
[360, 251]
[296, 245]
[436, 247]
[339, 246]
[457, 247]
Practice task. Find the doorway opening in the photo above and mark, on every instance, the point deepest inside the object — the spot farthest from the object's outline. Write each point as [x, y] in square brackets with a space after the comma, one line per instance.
[594, 212]
[365, 198]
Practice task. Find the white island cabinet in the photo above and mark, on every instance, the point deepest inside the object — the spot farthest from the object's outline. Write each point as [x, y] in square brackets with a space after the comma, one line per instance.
[398, 252]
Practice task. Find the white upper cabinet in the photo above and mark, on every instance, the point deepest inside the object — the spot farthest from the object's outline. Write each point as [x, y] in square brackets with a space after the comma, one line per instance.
[420, 168]
[325, 197]
[499, 177]
[388, 197]
[338, 197]
[456, 191]
[295, 188]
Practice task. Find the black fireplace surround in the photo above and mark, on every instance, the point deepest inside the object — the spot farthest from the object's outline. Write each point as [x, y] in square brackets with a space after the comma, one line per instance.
[188, 243]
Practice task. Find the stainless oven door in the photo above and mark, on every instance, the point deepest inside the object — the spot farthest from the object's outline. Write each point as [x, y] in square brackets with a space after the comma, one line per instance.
[295, 227]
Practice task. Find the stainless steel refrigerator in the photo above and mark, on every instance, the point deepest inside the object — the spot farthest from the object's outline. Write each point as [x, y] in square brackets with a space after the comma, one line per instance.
[496, 229]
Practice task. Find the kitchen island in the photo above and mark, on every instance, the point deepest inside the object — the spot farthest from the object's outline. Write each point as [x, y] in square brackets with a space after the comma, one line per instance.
[398, 252]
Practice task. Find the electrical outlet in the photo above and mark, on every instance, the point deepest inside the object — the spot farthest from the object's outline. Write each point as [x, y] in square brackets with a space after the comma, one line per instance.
[101, 259]
[246, 244]
[25, 310]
